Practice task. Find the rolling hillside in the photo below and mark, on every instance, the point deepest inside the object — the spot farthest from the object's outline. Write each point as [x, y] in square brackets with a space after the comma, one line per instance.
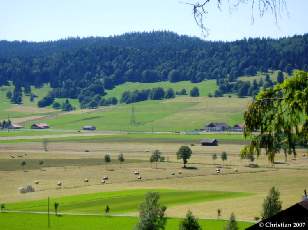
[179, 114]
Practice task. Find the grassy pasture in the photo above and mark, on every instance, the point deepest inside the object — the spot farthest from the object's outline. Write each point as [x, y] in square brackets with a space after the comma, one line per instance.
[205, 87]
[123, 201]
[179, 114]
[27, 107]
[39, 222]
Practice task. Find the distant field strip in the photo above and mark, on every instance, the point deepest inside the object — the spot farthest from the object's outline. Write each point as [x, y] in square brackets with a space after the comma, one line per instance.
[14, 164]
[123, 201]
[130, 137]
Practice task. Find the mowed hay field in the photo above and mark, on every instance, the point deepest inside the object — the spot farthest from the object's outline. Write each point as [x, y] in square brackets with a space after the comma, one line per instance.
[239, 189]
[179, 114]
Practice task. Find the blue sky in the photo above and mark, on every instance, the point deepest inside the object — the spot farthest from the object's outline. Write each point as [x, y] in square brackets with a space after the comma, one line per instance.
[39, 20]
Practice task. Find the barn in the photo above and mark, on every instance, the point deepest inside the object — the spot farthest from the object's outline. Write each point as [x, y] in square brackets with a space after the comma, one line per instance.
[216, 127]
[209, 142]
[89, 127]
[39, 126]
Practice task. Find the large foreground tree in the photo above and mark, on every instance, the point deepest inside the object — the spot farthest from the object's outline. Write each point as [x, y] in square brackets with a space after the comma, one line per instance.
[278, 118]
[272, 204]
[152, 213]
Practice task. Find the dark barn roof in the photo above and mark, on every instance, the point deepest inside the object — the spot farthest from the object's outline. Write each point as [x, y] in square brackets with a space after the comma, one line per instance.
[217, 124]
[208, 141]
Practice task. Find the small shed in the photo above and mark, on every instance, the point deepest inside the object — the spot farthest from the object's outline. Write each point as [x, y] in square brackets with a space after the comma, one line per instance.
[89, 127]
[40, 126]
[209, 142]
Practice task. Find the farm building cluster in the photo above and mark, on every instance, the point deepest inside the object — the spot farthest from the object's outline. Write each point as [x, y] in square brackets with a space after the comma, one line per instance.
[8, 124]
[222, 127]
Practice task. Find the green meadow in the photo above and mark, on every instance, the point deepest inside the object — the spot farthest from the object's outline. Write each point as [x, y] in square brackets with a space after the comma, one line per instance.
[27, 108]
[122, 201]
[8, 221]
[179, 114]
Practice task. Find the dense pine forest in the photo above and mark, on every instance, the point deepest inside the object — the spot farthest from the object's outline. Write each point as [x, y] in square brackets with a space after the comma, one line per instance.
[85, 67]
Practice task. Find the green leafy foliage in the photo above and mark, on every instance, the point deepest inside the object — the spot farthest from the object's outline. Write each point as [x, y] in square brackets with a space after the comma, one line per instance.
[190, 222]
[184, 153]
[232, 223]
[152, 213]
[278, 118]
[272, 204]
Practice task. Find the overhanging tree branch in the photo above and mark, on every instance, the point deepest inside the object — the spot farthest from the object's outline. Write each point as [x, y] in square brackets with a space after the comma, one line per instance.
[275, 7]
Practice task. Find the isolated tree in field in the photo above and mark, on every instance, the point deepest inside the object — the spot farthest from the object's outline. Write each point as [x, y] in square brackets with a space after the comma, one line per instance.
[56, 208]
[218, 213]
[107, 210]
[184, 153]
[23, 164]
[214, 157]
[45, 145]
[278, 118]
[107, 159]
[2, 207]
[151, 213]
[155, 157]
[224, 156]
[190, 222]
[232, 223]
[272, 204]
[9, 94]
[121, 158]
[41, 162]
[194, 92]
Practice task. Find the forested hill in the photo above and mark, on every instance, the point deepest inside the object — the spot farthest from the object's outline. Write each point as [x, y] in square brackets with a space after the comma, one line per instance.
[95, 64]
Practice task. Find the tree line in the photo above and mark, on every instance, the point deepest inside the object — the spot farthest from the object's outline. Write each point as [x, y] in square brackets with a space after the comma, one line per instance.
[158, 93]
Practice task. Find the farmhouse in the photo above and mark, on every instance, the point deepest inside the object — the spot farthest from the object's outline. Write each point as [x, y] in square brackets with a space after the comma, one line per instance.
[209, 142]
[40, 126]
[237, 128]
[89, 127]
[216, 127]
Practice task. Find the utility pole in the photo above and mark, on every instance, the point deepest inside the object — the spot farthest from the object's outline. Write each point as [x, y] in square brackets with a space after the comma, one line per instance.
[133, 117]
